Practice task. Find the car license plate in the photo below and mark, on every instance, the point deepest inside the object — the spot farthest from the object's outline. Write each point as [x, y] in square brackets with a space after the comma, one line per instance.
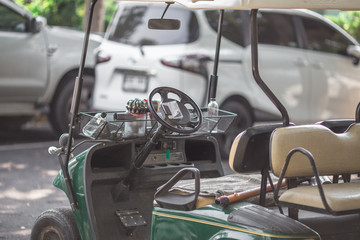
[135, 83]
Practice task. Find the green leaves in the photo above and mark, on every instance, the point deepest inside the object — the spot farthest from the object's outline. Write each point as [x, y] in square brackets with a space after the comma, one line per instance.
[64, 12]
[57, 12]
[349, 21]
[110, 7]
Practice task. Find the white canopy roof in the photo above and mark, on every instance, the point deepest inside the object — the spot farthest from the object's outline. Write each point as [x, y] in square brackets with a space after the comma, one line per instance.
[277, 4]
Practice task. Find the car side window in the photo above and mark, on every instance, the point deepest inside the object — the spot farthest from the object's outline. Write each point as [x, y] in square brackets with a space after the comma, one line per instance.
[276, 29]
[324, 38]
[11, 21]
[232, 25]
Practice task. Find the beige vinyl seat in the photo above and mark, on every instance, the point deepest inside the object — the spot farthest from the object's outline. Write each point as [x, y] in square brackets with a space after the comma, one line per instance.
[315, 150]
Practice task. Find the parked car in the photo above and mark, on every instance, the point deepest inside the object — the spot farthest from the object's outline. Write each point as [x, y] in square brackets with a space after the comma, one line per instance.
[310, 63]
[38, 66]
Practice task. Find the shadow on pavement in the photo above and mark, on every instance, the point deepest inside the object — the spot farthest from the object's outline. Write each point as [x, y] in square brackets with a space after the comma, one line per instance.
[26, 175]
[35, 131]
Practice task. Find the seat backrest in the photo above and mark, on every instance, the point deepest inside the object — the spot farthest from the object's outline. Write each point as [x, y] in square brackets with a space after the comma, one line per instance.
[250, 149]
[334, 153]
[337, 125]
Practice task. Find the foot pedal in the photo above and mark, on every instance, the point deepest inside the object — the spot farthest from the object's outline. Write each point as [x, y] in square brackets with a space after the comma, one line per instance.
[130, 219]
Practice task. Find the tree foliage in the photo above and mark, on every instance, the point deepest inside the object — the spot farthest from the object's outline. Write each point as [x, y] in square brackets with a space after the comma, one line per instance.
[110, 7]
[64, 12]
[57, 12]
[349, 21]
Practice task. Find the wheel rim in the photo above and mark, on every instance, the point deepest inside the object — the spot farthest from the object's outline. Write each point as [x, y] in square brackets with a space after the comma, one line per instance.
[50, 233]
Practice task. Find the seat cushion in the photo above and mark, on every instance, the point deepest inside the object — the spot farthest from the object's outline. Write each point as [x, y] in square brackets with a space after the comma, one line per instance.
[340, 197]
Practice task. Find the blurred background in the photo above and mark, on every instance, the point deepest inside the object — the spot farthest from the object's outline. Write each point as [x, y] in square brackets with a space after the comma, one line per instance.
[72, 14]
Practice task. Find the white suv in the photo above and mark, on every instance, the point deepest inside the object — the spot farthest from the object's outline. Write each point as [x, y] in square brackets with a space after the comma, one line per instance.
[311, 64]
[38, 66]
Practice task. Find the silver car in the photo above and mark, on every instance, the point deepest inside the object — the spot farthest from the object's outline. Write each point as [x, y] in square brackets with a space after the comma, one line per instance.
[38, 66]
[310, 63]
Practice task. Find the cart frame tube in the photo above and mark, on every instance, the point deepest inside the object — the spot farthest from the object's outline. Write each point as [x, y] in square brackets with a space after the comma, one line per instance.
[74, 110]
[214, 76]
[255, 69]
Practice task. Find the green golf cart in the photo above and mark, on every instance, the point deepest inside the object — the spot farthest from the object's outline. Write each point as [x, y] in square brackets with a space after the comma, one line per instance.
[155, 171]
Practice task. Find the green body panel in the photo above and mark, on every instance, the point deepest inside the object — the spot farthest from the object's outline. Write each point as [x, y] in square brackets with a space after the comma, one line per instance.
[209, 222]
[76, 170]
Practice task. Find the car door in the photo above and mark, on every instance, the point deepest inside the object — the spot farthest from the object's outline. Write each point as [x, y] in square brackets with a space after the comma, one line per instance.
[282, 65]
[23, 63]
[335, 85]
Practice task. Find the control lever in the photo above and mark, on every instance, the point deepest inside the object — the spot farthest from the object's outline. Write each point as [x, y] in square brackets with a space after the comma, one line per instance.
[62, 142]
[54, 150]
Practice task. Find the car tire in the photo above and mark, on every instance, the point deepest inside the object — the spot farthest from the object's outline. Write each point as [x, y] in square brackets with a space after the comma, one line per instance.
[55, 224]
[59, 115]
[243, 120]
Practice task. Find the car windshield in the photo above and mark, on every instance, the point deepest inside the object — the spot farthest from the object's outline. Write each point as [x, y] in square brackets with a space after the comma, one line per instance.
[130, 26]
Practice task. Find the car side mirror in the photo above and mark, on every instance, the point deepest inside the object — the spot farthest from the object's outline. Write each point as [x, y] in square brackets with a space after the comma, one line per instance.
[354, 51]
[33, 26]
[164, 24]
[36, 24]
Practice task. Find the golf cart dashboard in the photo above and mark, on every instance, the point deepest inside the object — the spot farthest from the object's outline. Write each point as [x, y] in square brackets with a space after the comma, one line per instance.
[126, 137]
[167, 152]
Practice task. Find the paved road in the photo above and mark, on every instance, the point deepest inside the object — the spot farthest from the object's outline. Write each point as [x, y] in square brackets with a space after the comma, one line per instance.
[26, 173]
[36, 131]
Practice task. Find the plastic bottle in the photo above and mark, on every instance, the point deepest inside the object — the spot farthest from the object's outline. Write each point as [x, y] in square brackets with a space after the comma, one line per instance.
[95, 126]
[213, 112]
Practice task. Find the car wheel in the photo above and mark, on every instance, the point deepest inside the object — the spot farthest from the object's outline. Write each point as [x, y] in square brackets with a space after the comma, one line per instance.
[243, 120]
[60, 107]
[55, 224]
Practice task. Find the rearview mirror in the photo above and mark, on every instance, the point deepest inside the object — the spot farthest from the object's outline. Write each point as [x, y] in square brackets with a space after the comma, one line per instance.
[164, 24]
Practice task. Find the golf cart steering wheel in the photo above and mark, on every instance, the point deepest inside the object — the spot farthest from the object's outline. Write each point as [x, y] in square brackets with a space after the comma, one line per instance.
[180, 114]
